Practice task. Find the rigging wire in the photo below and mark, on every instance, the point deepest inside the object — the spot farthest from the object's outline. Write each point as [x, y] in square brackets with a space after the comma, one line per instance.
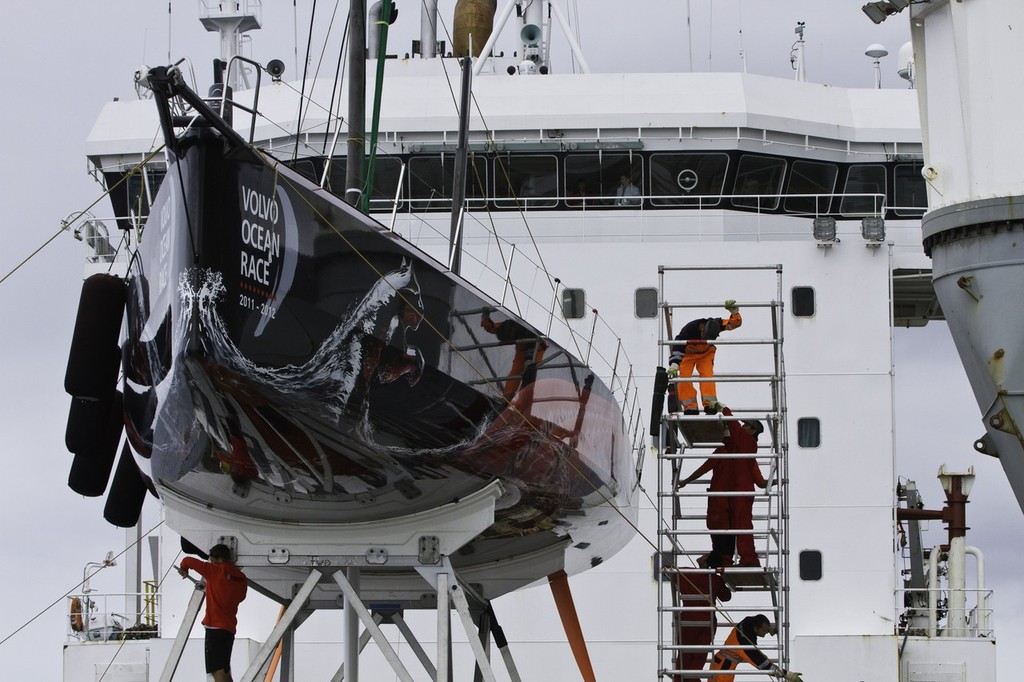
[305, 72]
[82, 582]
[325, 220]
[67, 222]
[120, 646]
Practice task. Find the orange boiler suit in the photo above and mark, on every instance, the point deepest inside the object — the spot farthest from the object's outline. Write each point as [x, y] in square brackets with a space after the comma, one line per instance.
[696, 353]
[727, 659]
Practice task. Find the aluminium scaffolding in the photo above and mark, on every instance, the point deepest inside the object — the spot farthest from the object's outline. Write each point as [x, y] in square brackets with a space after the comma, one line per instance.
[692, 594]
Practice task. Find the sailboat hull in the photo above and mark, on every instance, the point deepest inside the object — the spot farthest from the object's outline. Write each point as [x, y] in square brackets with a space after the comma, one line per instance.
[290, 360]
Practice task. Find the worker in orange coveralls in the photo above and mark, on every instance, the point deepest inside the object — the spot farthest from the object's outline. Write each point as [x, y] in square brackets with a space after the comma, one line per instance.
[699, 590]
[529, 351]
[745, 634]
[732, 512]
[226, 587]
[696, 352]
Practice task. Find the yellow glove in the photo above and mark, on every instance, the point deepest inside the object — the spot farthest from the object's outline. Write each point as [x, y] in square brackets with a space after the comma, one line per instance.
[673, 371]
[730, 305]
[793, 677]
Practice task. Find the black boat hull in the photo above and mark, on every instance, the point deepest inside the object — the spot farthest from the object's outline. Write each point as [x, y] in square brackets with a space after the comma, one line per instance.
[291, 354]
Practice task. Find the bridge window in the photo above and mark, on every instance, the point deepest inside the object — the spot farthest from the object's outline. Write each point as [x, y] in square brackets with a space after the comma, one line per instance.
[863, 180]
[910, 196]
[386, 171]
[688, 179]
[600, 175]
[431, 179]
[530, 181]
[574, 302]
[645, 303]
[758, 182]
[809, 177]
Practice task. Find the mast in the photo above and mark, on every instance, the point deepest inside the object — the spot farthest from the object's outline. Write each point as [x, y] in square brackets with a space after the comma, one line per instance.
[356, 101]
[459, 179]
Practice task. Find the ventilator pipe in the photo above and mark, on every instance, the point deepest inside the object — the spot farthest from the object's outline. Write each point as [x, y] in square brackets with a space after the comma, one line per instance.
[933, 589]
[956, 619]
[428, 29]
[979, 560]
[373, 34]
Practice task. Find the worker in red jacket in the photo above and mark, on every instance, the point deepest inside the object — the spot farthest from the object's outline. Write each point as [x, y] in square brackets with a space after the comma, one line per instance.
[698, 590]
[732, 512]
[696, 352]
[226, 586]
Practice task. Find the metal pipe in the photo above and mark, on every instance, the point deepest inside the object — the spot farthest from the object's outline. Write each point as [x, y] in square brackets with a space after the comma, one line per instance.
[428, 29]
[982, 595]
[933, 589]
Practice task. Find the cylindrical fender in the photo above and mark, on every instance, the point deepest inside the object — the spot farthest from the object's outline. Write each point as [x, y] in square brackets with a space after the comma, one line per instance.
[127, 492]
[95, 425]
[94, 358]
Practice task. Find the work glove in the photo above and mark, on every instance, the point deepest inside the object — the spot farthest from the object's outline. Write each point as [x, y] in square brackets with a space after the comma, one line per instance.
[673, 371]
[730, 305]
[792, 677]
[714, 406]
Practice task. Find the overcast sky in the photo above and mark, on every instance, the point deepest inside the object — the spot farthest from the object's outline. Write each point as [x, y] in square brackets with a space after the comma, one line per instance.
[61, 60]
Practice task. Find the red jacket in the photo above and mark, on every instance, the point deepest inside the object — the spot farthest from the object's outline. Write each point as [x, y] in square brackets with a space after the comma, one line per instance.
[736, 475]
[226, 586]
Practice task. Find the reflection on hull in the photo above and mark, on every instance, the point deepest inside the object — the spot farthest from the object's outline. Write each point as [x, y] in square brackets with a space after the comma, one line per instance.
[290, 361]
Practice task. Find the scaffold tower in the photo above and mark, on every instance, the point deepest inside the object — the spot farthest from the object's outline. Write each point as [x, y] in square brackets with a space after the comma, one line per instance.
[711, 502]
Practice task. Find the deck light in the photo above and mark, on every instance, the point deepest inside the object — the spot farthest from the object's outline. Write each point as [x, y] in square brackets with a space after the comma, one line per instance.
[825, 229]
[883, 9]
[879, 11]
[872, 228]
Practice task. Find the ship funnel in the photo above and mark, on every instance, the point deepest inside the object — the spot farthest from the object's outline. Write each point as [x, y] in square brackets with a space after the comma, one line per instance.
[473, 22]
[530, 34]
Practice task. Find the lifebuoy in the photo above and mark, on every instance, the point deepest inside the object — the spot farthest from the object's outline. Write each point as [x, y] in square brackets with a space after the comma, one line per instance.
[77, 623]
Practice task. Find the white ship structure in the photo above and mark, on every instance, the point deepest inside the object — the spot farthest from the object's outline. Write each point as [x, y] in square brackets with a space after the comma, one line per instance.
[595, 207]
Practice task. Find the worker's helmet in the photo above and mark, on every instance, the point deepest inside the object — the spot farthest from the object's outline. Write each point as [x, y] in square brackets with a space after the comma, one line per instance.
[712, 328]
[755, 426]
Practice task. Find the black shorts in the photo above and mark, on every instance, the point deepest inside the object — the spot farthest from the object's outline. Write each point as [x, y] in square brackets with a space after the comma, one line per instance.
[218, 649]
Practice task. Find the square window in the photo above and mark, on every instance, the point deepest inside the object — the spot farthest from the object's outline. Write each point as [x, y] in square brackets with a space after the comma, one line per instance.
[645, 303]
[574, 303]
[808, 432]
[810, 564]
[803, 301]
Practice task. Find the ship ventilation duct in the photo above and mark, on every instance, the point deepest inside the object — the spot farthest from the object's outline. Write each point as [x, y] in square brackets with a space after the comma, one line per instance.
[474, 20]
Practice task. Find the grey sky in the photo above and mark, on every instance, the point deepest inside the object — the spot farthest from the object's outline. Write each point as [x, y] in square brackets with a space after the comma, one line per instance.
[63, 59]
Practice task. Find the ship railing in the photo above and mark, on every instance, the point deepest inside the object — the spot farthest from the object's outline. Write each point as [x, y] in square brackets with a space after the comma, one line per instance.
[928, 612]
[840, 205]
[101, 617]
[523, 287]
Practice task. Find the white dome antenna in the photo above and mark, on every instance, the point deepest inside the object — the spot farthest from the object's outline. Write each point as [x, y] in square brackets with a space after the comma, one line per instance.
[876, 52]
[906, 63]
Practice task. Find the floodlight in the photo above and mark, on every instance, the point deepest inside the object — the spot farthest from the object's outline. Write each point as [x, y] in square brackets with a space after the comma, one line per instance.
[879, 11]
[872, 229]
[825, 229]
[900, 5]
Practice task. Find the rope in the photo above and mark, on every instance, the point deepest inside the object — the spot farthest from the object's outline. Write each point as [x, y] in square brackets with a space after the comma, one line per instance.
[73, 589]
[67, 222]
[275, 164]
